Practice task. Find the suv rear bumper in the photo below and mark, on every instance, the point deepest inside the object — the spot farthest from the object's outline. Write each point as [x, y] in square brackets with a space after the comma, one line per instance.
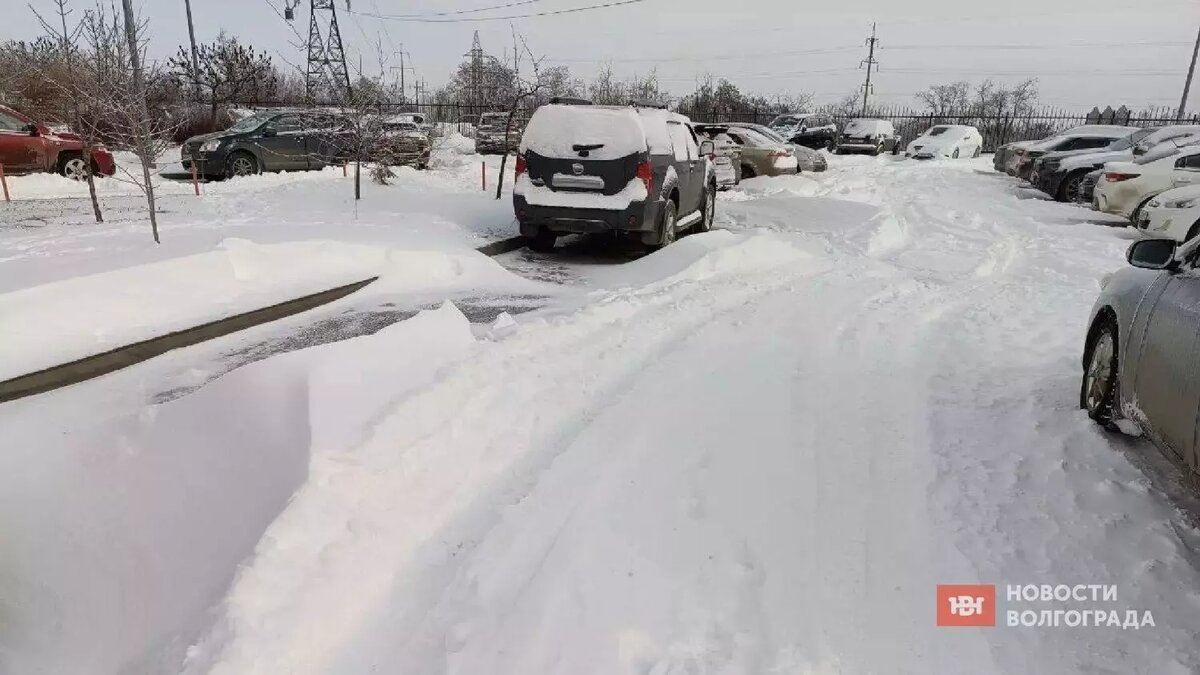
[637, 217]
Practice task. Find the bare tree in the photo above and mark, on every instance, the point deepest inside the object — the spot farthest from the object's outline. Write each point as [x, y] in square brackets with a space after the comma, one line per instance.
[225, 72]
[119, 99]
[946, 99]
[76, 88]
[524, 89]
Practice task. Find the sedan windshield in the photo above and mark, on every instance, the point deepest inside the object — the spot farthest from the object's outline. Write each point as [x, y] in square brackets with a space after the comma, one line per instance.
[250, 123]
[937, 131]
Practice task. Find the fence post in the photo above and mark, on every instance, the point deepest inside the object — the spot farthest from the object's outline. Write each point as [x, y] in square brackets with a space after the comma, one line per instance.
[483, 175]
[4, 182]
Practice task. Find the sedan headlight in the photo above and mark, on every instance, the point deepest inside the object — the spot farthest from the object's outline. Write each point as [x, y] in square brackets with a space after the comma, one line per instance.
[212, 145]
[1181, 203]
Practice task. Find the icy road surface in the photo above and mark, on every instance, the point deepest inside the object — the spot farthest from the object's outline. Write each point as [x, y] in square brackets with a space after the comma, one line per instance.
[758, 452]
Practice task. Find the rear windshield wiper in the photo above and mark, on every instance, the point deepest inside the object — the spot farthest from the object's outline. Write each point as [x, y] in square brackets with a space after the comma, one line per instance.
[583, 150]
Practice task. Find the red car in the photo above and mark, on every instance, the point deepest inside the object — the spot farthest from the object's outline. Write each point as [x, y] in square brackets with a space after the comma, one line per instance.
[28, 147]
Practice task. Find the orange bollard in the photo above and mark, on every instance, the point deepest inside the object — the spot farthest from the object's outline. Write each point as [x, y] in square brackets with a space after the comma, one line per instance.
[483, 175]
[4, 182]
[195, 179]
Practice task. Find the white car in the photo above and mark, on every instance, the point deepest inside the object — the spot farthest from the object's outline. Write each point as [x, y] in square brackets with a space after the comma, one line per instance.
[1174, 214]
[946, 140]
[1127, 186]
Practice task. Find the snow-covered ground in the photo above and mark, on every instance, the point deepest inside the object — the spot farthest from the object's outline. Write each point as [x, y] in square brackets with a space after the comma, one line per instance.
[758, 450]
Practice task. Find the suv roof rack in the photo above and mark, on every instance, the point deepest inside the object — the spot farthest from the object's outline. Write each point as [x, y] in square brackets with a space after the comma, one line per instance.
[569, 100]
[648, 104]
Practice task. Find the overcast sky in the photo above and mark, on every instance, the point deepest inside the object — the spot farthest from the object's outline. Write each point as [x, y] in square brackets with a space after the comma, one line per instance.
[1084, 52]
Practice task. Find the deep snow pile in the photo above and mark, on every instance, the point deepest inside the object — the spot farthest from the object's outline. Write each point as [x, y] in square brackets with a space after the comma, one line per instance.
[756, 451]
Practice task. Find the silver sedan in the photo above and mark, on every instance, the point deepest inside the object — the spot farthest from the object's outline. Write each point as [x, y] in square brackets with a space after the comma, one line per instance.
[1140, 358]
[807, 159]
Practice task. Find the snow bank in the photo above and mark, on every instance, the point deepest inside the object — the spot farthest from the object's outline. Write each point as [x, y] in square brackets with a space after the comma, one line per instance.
[66, 320]
[119, 539]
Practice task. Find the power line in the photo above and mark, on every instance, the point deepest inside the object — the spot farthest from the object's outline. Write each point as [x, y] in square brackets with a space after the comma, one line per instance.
[395, 17]
[460, 11]
[719, 57]
[1042, 46]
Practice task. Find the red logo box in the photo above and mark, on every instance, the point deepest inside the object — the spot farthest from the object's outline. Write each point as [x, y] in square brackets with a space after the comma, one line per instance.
[966, 605]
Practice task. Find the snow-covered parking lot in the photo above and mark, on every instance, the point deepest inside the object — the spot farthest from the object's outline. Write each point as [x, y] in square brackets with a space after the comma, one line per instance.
[758, 450]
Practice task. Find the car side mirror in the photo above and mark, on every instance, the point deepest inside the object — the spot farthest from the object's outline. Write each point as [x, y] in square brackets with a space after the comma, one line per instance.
[1152, 254]
[707, 148]
[268, 132]
[32, 129]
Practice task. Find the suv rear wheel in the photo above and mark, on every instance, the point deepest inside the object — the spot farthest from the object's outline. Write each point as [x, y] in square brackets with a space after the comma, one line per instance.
[543, 241]
[706, 210]
[666, 226]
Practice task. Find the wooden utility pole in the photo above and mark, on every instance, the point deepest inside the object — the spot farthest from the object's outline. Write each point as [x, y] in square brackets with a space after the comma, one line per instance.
[187, 4]
[1187, 84]
[871, 41]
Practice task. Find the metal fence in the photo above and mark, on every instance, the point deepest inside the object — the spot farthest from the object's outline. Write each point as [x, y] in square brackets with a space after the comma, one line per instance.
[996, 129]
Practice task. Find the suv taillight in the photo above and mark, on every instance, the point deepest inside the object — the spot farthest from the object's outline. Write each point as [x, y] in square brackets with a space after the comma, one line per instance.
[520, 164]
[780, 153]
[1117, 177]
[645, 172]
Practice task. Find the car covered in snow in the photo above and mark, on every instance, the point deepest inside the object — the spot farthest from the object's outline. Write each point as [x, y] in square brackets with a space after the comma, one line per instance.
[946, 140]
[763, 155]
[612, 169]
[1173, 214]
[399, 141]
[273, 140]
[1064, 178]
[727, 155]
[1139, 361]
[490, 133]
[812, 130]
[1005, 152]
[807, 159]
[1128, 186]
[27, 146]
[868, 135]
[1016, 155]
[1082, 141]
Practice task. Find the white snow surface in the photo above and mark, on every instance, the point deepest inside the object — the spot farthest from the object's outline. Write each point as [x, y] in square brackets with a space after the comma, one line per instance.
[554, 129]
[541, 195]
[755, 451]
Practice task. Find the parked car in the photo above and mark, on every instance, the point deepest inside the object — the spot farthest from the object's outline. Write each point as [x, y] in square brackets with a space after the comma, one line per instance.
[812, 130]
[1139, 354]
[1127, 186]
[1174, 214]
[490, 134]
[27, 146]
[275, 140]
[762, 155]
[402, 142]
[1087, 187]
[1068, 142]
[868, 135]
[946, 140]
[1014, 158]
[1005, 152]
[727, 155]
[613, 169]
[807, 159]
[1059, 174]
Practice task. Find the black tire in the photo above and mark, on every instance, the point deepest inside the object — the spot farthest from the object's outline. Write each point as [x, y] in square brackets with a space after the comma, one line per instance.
[71, 165]
[1098, 387]
[748, 171]
[837, 150]
[978, 152]
[896, 148]
[876, 150]
[955, 155]
[242, 163]
[1133, 217]
[707, 210]
[666, 226]
[543, 241]
[1068, 191]
[1193, 231]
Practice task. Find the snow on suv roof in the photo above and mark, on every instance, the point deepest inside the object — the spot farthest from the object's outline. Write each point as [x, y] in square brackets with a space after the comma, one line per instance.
[619, 130]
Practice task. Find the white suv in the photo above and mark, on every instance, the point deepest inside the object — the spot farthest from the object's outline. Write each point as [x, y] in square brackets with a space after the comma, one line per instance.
[1174, 213]
[1127, 186]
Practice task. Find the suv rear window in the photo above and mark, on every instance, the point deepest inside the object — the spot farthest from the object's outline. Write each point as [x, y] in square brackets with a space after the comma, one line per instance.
[555, 129]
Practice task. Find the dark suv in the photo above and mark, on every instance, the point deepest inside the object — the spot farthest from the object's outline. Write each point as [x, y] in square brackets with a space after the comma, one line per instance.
[619, 169]
[812, 130]
[279, 140]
